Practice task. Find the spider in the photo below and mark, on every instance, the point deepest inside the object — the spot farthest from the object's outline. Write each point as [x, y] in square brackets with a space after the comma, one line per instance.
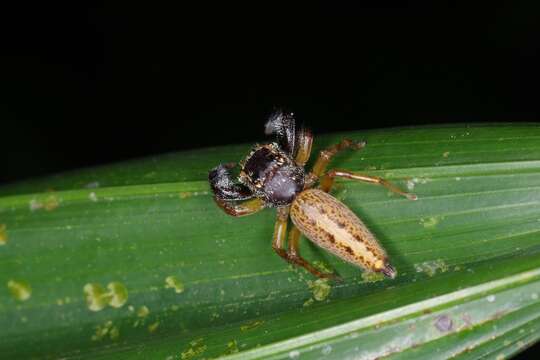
[273, 175]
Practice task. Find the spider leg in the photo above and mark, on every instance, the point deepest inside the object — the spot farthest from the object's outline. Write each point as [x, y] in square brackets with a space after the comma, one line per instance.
[326, 155]
[283, 125]
[292, 255]
[244, 208]
[232, 197]
[225, 187]
[280, 232]
[295, 140]
[328, 181]
[304, 142]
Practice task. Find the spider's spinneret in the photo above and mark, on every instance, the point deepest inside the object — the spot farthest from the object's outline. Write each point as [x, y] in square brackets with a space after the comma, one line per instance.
[271, 174]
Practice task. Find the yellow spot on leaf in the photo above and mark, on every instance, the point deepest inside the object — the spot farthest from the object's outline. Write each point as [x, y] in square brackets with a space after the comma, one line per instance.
[431, 267]
[114, 333]
[445, 154]
[371, 276]
[322, 266]
[102, 331]
[61, 302]
[196, 348]
[105, 330]
[172, 282]
[3, 234]
[143, 312]
[97, 298]
[118, 294]
[92, 196]
[251, 325]
[232, 347]
[20, 290]
[153, 327]
[49, 203]
[430, 222]
[320, 289]
[185, 195]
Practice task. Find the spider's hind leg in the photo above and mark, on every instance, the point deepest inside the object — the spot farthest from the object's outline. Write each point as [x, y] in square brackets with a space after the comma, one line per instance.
[292, 255]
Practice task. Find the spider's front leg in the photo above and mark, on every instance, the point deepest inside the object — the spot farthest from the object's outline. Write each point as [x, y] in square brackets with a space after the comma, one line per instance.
[296, 141]
[292, 255]
[232, 197]
[240, 209]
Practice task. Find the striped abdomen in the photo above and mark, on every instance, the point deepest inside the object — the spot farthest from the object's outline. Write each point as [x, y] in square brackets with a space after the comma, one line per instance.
[334, 227]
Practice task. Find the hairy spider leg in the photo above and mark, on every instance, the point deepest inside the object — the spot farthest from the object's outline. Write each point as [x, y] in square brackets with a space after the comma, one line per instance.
[328, 181]
[238, 209]
[280, 232]
[225, 187]
[326, 155]
[292, 255]
[283, 125]
[305, 140]
[233, 198]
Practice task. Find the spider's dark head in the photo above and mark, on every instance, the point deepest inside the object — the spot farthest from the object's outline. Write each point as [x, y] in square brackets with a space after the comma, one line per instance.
[272, 175]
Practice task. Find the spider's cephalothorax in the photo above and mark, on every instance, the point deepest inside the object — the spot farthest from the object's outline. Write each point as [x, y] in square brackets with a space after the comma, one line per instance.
[273, 175]
[272, 172]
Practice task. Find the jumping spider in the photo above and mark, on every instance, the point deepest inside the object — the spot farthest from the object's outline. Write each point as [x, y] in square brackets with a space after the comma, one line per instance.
[273, 175]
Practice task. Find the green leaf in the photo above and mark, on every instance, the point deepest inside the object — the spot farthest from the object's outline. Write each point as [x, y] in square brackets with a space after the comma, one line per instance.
[135, 260]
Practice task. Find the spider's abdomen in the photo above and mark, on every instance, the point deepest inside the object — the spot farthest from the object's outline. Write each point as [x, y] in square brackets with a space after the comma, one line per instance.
[272, 174]
[334, 227]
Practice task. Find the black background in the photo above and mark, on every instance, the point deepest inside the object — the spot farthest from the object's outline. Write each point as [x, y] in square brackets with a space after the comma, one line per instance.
[87, 85]
[81, 85]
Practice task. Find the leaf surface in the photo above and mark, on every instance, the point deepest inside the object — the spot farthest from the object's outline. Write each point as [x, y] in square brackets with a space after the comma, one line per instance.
[135, 260]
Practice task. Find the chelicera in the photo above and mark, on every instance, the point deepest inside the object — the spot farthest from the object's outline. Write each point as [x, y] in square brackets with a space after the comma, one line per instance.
[273, 175]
